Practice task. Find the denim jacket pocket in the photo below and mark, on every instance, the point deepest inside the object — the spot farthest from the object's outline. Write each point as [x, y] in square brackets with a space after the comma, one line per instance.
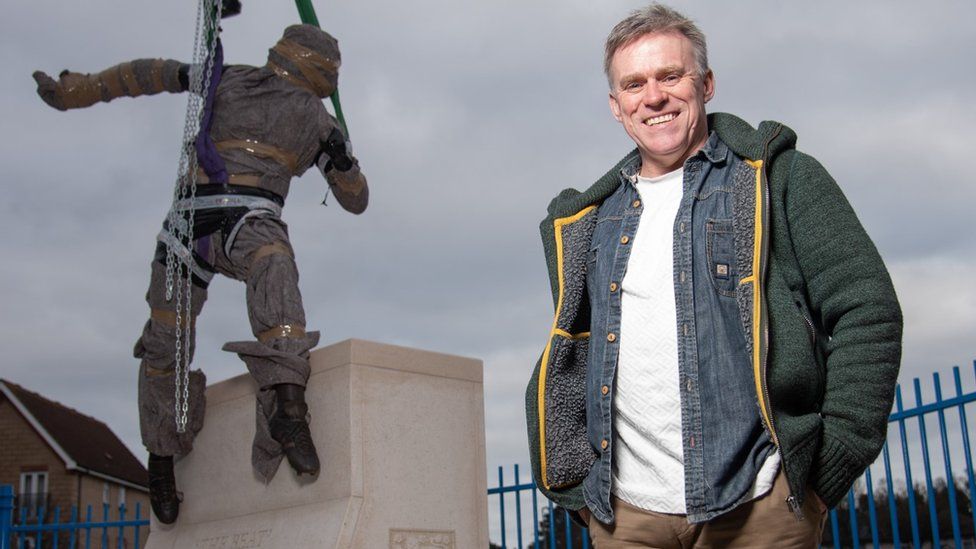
[720, 254]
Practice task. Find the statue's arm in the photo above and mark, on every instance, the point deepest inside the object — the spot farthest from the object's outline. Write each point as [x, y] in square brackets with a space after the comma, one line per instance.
[75, 90]
[341, 169]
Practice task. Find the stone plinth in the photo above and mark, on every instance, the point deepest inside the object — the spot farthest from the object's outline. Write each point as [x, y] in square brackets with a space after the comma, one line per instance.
[400, 433]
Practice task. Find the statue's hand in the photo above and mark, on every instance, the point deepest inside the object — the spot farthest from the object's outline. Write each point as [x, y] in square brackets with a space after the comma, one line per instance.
[338, 151]
[72, 90]
[349, 188]
[49, 90]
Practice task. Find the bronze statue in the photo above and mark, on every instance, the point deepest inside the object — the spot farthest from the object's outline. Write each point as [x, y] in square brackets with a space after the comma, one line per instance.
[267, 125]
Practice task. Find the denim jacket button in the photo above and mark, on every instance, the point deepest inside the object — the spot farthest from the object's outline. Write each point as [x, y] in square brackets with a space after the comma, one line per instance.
[604, 389]
[613, 286]
[604, 444]
[611, 337]
[624, 239]
[681, 227]
[637, 203]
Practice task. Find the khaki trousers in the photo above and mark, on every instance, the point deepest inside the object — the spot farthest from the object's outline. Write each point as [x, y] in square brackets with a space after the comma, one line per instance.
[763, 522]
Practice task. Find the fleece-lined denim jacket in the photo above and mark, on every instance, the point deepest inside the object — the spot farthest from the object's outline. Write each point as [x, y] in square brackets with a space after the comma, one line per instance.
[724, 444]
[818, 316]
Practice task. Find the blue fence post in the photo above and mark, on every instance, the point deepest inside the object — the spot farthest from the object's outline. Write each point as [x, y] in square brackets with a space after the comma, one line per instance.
[501, 502]
[138, 528]
[569, 529]
[892, 502]
[39, 516]
[518, 508]
[75, 534]
[852, 516]
[57, 520]
[88, 520]
[535, 517]
[552, 525]
[118, 541]
[835, 528]
[967, 449]
[912, 511]
[104, 528]
[950, 482]
[927, 467]
[872, 512]
[6, 514]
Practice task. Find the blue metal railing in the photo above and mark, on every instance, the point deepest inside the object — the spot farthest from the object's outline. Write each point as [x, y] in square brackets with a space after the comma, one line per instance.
[552, 516]
[33, 530]
[863, 506]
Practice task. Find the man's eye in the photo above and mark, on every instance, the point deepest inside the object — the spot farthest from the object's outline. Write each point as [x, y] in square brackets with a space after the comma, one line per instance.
[631, 85]
[671, 79]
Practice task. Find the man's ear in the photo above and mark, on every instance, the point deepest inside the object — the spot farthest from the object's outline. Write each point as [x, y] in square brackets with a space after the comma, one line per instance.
[615, 107]
[709, 85]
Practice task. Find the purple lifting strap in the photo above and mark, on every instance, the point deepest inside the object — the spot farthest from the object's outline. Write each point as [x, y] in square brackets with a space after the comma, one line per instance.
[202, 247]
[207, 156]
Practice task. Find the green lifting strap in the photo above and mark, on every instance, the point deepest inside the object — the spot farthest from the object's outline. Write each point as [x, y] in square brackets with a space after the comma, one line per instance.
[307, 13]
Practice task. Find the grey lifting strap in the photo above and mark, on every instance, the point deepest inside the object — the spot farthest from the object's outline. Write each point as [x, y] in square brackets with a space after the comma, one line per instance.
[256, 206]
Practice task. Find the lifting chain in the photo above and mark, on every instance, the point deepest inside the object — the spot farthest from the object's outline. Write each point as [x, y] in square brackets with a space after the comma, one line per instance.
[179, 278]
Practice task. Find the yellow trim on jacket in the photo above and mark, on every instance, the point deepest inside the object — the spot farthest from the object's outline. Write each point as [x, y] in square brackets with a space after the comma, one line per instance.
[757, 296]
[557, 225]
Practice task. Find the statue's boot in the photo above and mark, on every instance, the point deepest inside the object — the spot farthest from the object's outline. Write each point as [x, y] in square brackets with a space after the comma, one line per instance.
[289, 427]
[163, 497]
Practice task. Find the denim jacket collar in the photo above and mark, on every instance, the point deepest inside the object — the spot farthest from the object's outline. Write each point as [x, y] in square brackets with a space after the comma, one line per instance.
[714, 150]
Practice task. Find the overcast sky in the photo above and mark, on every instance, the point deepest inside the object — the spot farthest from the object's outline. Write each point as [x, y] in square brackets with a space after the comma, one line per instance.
[467, 117]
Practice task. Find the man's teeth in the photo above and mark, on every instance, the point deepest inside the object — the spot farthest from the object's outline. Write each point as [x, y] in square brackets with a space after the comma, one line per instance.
[660, 119]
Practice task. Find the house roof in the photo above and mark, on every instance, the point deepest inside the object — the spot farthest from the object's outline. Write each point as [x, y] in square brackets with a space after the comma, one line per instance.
[82, 442]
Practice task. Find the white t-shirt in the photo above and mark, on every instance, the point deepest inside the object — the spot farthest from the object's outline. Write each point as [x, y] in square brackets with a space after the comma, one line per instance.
[648, 462]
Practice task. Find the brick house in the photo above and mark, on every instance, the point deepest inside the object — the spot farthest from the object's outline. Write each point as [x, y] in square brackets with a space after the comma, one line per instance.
[55, 456]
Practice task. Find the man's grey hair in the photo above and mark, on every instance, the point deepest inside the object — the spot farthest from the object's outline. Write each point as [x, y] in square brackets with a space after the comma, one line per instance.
[655, 18]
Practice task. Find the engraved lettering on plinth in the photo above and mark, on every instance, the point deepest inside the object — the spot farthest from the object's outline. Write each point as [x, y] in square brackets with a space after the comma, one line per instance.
[237, 540]
[421, 539]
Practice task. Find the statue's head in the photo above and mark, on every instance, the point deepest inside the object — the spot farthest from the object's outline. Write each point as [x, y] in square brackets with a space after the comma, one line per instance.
[307, 56]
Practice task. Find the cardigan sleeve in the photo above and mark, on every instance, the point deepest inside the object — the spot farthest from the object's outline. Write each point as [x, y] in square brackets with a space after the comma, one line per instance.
[850, 291]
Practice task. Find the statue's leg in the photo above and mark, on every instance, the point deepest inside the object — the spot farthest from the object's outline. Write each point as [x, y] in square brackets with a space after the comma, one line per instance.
[262, 257]
[157, 392]
[157, 384]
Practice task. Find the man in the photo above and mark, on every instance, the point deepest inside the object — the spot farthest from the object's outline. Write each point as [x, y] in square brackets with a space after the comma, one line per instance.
[726, 337]
[268, 125]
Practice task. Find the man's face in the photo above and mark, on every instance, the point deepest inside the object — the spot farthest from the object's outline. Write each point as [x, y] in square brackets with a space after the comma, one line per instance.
[658, 96]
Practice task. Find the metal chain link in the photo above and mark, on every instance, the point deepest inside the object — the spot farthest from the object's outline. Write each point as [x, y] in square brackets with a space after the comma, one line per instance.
[208, 18]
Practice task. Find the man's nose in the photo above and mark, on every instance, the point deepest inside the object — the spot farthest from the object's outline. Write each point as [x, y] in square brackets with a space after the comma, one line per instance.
[654, 94]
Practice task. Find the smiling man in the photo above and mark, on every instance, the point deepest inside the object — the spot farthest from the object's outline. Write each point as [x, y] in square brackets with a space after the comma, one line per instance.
[726, 337]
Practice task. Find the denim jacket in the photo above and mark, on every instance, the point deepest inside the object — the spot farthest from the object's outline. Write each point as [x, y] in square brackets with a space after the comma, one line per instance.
[818, 319]
[723, 438]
